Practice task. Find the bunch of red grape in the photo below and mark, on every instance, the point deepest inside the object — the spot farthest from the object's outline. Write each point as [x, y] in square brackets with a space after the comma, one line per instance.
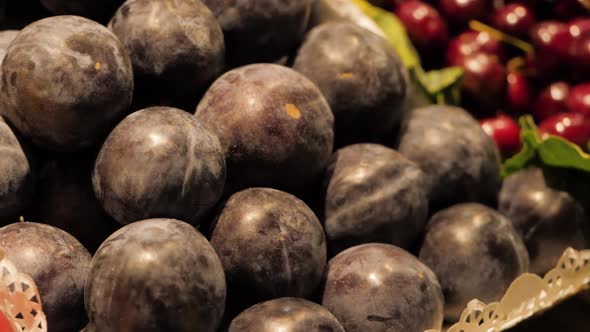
[528, 57]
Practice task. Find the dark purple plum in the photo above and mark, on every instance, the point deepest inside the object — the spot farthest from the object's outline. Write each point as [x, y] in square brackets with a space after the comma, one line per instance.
[87, 8]
[65, 199]
[58, 264]
[16, 175]
[6, 37]
[159, 162]
[270, 244]
[274, 124]
[176, 48]
[286, 315]
[380, 287]
[66, 81]
[475, 252]
[260, 30]
[549, 221]
[460, 160]
[361, 76]
[374, 194]
[155, 275]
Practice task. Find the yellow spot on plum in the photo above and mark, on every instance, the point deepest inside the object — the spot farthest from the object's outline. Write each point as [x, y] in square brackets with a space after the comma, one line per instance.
[293, 111]
[97, 66]
[346, 75]
[420, 275]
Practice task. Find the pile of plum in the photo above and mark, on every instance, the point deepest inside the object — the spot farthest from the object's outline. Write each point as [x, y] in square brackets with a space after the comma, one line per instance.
[547, 77]
[245, 166]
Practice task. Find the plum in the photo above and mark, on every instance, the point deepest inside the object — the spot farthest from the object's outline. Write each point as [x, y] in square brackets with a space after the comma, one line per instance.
[6, 37]
[260, 30]
[549, 221]
[275, 126]
[58, 264]
[270, 244]
[65, 199]
[87, 8]
[159, 162]
[16, 175]
[176, 48]
[374, 194]
[155, 275]
[475, 252]
[287, 315]
[460, 160]
[380, 287]
[361, 76]
[66, 81]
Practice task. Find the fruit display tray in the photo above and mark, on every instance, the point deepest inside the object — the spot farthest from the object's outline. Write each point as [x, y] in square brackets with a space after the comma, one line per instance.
[528, 295]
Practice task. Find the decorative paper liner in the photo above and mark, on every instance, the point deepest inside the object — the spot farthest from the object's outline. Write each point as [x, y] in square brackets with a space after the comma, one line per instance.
[528, 295]
[19, 299]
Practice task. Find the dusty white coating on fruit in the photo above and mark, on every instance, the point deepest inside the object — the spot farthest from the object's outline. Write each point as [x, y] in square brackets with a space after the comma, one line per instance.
[58, 264]
[159, 162]
[54, 94]
[381, 288]
[156, 275]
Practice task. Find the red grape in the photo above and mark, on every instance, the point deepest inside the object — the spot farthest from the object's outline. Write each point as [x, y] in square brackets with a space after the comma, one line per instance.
[575, 127]
[426, 27]
[578, 100]
[519, 92]
[515, 19]
[471, 42]
[551, 100]
[505, 132]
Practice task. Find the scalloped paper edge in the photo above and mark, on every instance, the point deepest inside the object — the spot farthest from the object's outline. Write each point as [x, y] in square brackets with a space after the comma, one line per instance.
[19, 299]
[528, 295]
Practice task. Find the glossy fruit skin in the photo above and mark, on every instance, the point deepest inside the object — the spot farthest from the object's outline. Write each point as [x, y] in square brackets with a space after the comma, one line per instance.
[65, 199]
[288, 315]
[155, 275]
[361, 76]
[552, 42]
[175, 59]
[374, 194]
[484, 82]
[475, 252]
[380, 287]
[519, 92]
[459, 12]
[514, 19]
[472, 42]
[460, 160]
[58, 264]
[549, 221]
[578, 100]
[275, 126]
[17, 175]
[66, 81]
[258, 31]
[575, 127]
[426, 28]
[505, 132]
[551, 100]
[159, 162]
[270, 244]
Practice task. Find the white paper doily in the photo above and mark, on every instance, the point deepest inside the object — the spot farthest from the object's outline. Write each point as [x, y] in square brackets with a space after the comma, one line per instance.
[19, 299]
[528, 295]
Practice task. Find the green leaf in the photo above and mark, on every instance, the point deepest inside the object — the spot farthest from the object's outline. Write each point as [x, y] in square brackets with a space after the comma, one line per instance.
[394, 30]
[552, 151]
